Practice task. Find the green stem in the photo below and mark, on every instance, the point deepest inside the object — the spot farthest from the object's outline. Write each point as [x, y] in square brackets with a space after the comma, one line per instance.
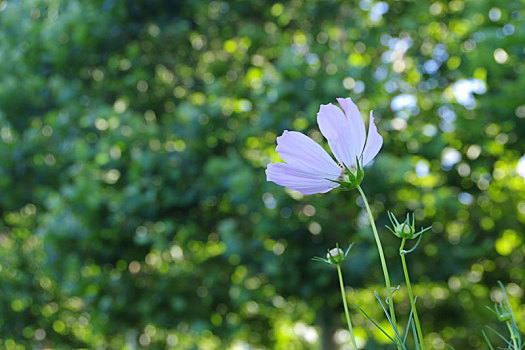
[383, 261]
[411, 296]
[512, 336]
[343, 295]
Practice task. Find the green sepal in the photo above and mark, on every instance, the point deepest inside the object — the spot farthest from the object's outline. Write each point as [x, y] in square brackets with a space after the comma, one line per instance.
[357, 178]
[344, 185]
[354, 180]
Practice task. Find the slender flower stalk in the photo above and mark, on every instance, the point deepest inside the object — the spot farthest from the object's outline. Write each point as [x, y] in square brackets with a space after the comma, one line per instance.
[411, 295]
[343, 295]
[383, 261]
[335, 257]
[512, 335]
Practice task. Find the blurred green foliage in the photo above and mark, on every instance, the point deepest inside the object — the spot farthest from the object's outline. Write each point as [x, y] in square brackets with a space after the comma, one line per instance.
[133, 141]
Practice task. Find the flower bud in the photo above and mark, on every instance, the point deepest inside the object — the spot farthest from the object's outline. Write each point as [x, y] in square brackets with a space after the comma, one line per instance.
[501, 311]
[336, 254]
[404, 231]
[504, 316]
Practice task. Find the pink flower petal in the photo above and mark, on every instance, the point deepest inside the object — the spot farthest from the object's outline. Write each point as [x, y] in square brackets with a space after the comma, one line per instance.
[341, 134]
[357, 122]
[337, 130]
[374, 142]
[297, 179]
[301, 151]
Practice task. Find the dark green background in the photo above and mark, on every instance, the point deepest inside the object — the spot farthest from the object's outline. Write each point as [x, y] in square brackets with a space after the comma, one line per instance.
[133, 141]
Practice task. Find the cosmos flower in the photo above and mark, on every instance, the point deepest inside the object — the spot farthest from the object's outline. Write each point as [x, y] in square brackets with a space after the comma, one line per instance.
[308, 168]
